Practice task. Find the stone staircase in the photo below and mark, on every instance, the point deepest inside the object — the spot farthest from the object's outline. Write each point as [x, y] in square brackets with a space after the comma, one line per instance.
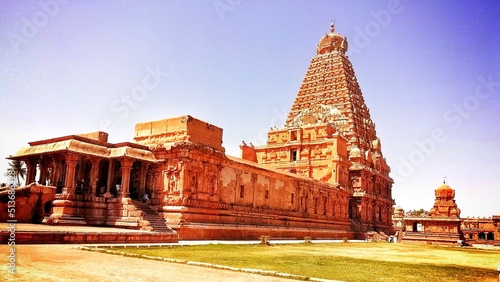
[156, 221]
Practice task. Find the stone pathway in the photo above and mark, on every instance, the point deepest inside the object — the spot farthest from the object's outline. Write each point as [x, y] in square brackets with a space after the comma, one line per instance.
[66, 263]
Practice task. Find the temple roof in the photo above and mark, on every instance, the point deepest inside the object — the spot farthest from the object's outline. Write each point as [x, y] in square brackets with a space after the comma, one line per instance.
[332, 41]
[82, 145]
[444, 191]
[330, 83]
[445, 205]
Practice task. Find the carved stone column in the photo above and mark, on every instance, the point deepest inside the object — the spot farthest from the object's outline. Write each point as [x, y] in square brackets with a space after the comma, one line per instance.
[94, 173]
[181, 179]
[253, 184]
[126, 168]
[56, 170]
[80, 173]
[110, 176]
[309, 201]
[71, 161]
[53, 173]
[142, 179]
[43, 172]
[329, 205]
[30, 172]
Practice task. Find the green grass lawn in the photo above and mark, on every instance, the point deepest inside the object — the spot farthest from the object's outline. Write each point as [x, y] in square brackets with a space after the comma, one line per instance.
[347, 261]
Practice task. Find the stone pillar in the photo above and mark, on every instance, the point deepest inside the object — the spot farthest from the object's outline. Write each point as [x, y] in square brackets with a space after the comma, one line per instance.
[71, 161]
[181, 180]
[309, 201]
[30, 172]
[56, 170]
[237, 185]
[254, 187]
[156, 181]
[43, 173]
[110, 176]
[126, 168]
[142, 179]
[329, 205]
[94, 173]
[53, 173]
[79, 173]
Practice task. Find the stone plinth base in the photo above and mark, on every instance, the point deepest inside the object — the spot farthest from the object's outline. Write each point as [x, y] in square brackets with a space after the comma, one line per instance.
[429, 238]
[249, 232]
[210, 224]
[94, 211]
[60, 237]
[64, 220]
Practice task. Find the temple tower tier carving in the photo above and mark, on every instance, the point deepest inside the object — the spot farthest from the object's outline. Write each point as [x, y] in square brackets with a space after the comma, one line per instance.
[330, 136]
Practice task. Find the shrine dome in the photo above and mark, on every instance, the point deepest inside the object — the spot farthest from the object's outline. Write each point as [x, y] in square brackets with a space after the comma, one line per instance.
[332, 41]
[444, 191]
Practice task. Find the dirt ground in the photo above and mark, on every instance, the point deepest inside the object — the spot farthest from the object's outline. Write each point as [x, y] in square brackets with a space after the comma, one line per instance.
[67, 263]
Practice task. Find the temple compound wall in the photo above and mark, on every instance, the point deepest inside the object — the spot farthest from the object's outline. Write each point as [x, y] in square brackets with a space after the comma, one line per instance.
[481, 230]
[205, 194]
[35, 200]
[198, 190]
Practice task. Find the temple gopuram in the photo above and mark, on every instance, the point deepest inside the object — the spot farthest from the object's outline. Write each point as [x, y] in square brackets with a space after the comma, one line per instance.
[321, 175]
[329, 136]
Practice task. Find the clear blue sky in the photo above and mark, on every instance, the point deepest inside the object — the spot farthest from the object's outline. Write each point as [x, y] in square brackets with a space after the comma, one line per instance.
[428, 70]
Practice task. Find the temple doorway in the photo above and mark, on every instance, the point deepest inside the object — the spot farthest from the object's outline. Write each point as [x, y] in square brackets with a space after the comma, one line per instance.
[135, 181]
[102, 178]
[490, 236]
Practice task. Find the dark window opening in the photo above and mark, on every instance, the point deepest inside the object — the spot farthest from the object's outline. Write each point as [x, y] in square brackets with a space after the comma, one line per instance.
[242, 191]
[490, 236]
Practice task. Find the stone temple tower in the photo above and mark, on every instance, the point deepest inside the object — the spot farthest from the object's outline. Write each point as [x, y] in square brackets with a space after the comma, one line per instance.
[329, 136]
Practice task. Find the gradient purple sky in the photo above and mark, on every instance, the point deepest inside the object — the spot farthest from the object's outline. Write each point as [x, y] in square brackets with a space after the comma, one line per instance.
[428, 70]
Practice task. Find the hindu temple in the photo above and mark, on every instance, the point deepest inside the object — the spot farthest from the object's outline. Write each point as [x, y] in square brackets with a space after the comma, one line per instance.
[443, 224]
[321, 175]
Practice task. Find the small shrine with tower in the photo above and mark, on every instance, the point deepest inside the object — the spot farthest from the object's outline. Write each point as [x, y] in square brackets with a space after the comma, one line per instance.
[441, 225]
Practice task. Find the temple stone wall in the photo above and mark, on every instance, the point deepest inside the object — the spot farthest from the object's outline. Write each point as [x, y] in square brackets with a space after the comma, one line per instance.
[32, 203]
[205, 191]
[179, 129]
